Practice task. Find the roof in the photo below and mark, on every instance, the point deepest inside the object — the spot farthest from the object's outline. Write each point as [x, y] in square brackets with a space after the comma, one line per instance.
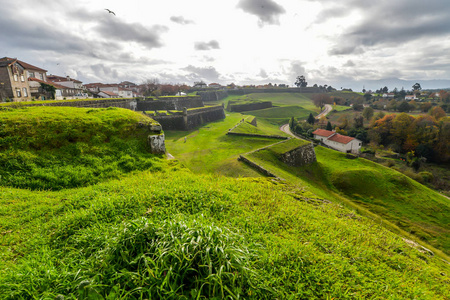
[108, 93]
[323, 132]
[343, 139]
[58, 86]
[26, 66]
[56, 78]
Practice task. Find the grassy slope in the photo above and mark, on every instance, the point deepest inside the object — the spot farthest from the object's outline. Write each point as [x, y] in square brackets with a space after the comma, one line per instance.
[54, 148]
[209, 150]
[90, 241]
[409, 205]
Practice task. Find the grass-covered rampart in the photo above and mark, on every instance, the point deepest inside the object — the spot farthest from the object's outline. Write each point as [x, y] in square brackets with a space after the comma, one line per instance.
[55, 148]
[177, 235]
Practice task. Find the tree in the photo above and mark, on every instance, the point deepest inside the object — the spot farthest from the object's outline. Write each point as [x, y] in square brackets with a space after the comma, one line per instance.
[385, 89]
[358, 121]
[416, 87]
[320, 100]
[368, 113]
[367, 96]
[403, 107]
[329, 126]
[437, 112]
[301, 81]
[358, 106]
[150, 86]
[311, 120]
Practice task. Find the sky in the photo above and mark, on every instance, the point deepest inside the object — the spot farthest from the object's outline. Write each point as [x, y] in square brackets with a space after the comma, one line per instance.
[347, 44]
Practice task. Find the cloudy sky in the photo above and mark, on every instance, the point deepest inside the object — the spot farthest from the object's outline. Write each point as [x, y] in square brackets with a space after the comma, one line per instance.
[346, 43]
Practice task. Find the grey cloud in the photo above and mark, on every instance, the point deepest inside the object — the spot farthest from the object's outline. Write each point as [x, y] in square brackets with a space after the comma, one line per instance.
[388, 23]
[102, 71]
[349, 63]
[197, 73]
[113, 28]
[181, 20]
[267, 11]
[263, 74]
[207, 45]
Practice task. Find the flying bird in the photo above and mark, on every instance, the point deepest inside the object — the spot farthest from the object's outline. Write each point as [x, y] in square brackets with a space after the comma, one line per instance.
[110, 11]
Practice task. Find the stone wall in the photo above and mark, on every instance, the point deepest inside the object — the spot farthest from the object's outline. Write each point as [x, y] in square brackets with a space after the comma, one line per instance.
[248, 106]
[190, 119]
[169, 103]
[129, 103]
[277, 137]
[212, 95]
[300, 156]
[257, 167]
[274, 90]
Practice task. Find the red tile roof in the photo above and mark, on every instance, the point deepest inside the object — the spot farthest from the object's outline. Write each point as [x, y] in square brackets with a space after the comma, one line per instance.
[343, 139]
[56, 78]
[323, 132]
[58, 86]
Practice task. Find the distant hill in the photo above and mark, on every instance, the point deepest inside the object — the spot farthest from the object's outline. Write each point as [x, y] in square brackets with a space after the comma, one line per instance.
[391, 83]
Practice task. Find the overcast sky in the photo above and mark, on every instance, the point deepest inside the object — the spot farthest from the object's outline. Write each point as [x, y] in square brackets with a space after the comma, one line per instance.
[346, 43]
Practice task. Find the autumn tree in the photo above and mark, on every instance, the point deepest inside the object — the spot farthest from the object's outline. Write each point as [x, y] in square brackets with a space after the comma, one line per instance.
[320, 100]
[437, 112]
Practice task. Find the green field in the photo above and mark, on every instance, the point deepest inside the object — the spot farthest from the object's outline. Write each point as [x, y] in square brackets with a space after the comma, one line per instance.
[145, 227]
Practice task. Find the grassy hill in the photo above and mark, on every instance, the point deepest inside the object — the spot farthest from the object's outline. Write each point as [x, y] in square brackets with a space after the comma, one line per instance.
[162, 231]
[55, 148]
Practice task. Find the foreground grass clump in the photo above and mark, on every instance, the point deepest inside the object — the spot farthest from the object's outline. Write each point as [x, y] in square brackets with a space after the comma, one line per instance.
[177, 235]
[55, 148]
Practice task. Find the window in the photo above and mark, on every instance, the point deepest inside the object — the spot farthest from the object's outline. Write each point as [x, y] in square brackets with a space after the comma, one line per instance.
[16, 77]
[30, 74]
[22, 78]
[18, 93]
[25, 92]
[41, 76]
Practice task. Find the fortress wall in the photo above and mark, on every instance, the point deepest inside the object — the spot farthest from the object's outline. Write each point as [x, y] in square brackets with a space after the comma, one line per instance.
[300, 156]
[250, 106]
[169, 103]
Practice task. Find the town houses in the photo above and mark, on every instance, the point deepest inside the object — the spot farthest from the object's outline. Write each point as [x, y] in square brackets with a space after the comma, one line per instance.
[338, 141]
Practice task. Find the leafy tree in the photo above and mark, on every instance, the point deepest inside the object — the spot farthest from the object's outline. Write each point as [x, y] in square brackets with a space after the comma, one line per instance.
[321, 99]
[437, 112]
[48, 89]
[329, 126]
[403, 107]
[416, 87]
[311, 120]
[301, 81]
[425, 107]
[358, 122]
[358, 107]
[292, 123]
[367, 96]
[385, 89]
[368, 113]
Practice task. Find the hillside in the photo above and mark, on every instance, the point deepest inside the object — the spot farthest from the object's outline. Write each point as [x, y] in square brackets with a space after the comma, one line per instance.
[159, 230]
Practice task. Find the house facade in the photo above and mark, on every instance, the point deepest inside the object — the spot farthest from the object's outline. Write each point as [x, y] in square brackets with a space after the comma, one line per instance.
[338, 141]
[14, 75]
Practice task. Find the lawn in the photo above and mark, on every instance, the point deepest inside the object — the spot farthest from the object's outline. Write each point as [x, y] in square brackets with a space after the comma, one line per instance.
[209, 150]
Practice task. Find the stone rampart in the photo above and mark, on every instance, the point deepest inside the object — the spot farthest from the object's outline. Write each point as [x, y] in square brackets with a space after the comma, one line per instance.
[169, 103]
[274, 90]
[300, 156]
[278, 137]
[190, 119]
[257, 167]
[129, 103]
[212, 95]
[236, 107]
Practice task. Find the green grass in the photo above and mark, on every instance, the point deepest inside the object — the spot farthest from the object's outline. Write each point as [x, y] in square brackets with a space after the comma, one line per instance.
[383, 192]
[281, 115]
[177, 235]
[56, 148]
[209, 150]
[286, 146]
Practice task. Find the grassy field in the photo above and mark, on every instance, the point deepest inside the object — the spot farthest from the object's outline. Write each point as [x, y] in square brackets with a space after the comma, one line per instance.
[209, 150]
[162, 231]
[281, 115]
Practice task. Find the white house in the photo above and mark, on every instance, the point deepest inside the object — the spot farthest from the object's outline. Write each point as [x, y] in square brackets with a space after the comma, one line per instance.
[338, 141]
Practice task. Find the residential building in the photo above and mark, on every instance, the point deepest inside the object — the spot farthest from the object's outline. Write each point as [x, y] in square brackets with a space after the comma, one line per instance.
[67, 88]
[107, 94]
[14, 79]
[338, 141]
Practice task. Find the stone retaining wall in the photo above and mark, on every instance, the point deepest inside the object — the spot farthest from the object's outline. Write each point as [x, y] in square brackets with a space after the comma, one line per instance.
[279, 137]
[236, 107]
[257, 167]
[212, 95]
[300, 156]
[169, 103]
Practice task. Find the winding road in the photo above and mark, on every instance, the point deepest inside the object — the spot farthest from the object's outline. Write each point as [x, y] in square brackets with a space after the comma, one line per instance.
[285, 128]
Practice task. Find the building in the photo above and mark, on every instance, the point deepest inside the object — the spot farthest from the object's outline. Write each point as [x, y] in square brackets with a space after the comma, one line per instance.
[338, 141]
[67, 88]
[15, 81]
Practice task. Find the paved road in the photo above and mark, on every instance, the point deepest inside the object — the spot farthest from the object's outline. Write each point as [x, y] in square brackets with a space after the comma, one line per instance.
[328, 108]
[285, 128]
